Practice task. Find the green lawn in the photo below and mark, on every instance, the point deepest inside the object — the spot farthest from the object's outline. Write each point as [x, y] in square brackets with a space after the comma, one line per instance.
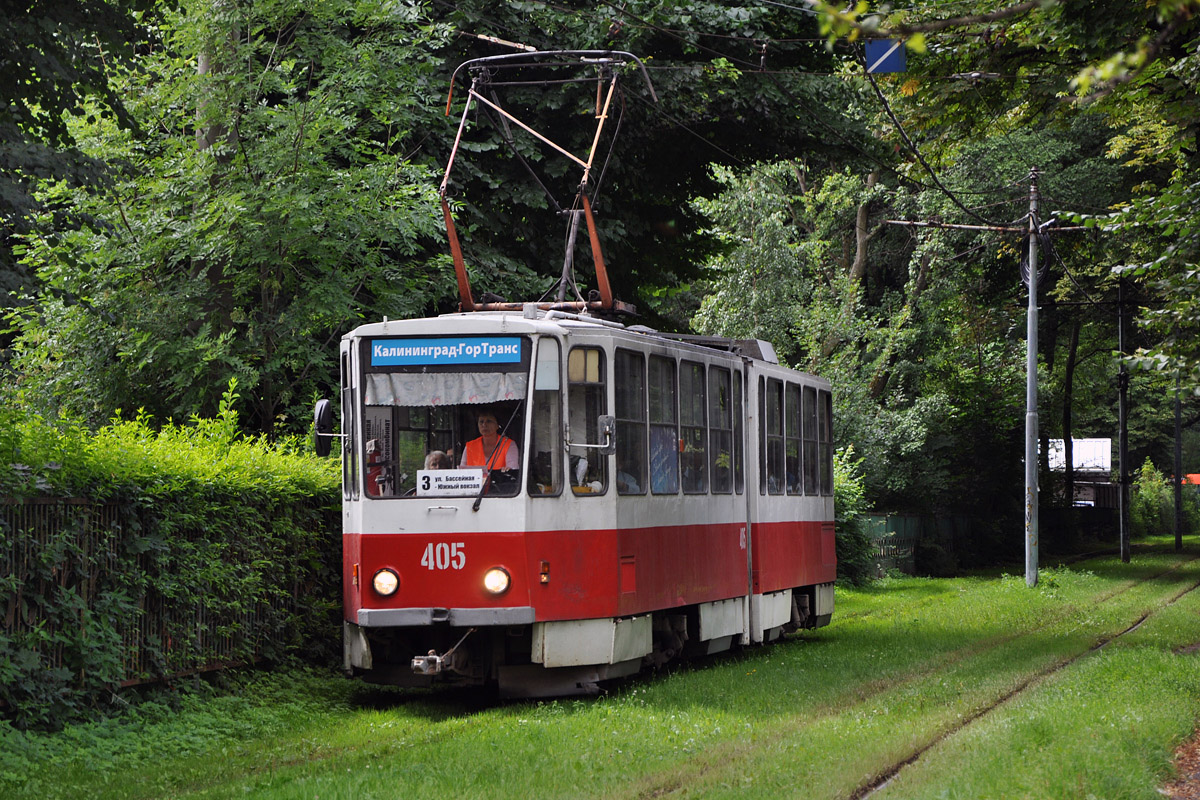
[998, 690]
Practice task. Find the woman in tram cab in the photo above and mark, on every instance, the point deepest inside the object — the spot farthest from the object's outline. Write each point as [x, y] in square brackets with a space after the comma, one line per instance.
[490, 450]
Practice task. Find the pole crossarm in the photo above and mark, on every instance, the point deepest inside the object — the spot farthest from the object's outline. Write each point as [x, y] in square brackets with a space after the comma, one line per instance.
[1022, 228]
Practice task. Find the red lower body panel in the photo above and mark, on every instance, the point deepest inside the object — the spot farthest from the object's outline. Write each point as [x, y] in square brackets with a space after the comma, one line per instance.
[789, 554]
[590, 573]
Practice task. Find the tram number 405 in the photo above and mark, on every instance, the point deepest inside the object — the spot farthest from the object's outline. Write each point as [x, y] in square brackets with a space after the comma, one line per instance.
[444, 555]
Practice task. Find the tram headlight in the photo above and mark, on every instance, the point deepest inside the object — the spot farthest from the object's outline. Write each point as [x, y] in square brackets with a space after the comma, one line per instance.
[386, 582]
[496, 581]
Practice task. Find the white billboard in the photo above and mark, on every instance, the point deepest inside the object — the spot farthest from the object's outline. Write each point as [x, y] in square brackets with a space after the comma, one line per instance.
[1088, 455]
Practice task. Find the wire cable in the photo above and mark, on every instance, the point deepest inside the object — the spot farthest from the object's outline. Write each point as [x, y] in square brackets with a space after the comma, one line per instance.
[916, 152]
[751, 69]
[686, 129]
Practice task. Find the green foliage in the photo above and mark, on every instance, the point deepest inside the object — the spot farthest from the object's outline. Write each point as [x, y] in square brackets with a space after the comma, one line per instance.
[279, 187]
[212, 547]
[1152, 504]
[855, 550]
[268, 205]
[57, 60]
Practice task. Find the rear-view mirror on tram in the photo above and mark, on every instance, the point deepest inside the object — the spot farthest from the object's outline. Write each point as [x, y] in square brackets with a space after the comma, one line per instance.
[323, 428]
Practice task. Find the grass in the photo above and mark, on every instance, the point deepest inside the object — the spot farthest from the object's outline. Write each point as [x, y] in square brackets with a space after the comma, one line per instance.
[995, 687]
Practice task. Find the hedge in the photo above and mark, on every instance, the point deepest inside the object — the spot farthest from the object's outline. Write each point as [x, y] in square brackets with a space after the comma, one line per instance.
[138, 553]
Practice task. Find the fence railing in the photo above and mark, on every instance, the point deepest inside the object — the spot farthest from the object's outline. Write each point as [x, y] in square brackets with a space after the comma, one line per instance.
[69, 548]
[895, 543]
[896, 537]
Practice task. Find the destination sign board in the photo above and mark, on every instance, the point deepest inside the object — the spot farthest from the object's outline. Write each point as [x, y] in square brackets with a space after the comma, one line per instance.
[449, 482]
[461, 350]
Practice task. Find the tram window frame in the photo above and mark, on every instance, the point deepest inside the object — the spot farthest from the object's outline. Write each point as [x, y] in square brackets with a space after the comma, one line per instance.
[349, 451]
[545, 422]
[629, 389]
[720, 429]
[773, 420]
[401, 376]
[662, 392]
[812, 482]
[825, 423]
[792, 449]
[693, 427]
[739, 432]
[587, 401]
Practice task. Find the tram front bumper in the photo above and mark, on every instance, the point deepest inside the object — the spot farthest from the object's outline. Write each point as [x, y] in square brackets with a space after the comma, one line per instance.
[455, 617]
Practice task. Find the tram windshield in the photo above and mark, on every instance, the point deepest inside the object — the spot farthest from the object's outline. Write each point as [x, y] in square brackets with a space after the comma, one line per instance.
[443, 416]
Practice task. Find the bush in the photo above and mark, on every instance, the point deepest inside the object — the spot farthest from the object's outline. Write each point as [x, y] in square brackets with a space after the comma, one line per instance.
[198, 546]
[855, 550]
[1152, 504]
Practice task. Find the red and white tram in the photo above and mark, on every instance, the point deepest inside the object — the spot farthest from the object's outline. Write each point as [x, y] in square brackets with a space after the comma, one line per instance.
[539, 498]
[657, 496]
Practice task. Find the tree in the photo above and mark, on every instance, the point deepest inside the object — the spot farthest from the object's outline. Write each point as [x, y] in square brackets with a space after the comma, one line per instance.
[1134, 64]
[56, 59]
[282, 186]
[245, 255]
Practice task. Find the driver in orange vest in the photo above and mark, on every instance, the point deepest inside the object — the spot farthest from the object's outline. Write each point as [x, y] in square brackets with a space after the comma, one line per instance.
[490, 450]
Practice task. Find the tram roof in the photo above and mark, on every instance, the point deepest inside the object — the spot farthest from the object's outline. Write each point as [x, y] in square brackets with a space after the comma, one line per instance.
[492, 322]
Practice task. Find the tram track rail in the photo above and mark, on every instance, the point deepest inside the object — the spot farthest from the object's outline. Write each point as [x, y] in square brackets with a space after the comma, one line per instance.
[886, 776]
[681, 777]
[1082, 686]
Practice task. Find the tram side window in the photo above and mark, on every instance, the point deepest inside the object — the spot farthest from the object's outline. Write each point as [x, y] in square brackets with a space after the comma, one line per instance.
[739, 451]
[825, 412]
[664, 434]
[811, 454]
[795, 480]
[774, 423]
[693, 428]
[587, 468]
[399, 441]
[720, 421]
[630, 377]
[762, 435]
[545, 456]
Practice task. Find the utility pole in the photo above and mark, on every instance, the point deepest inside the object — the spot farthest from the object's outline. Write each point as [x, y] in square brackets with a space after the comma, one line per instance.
[1031, 414]
[1123, 422]
[1178, 467]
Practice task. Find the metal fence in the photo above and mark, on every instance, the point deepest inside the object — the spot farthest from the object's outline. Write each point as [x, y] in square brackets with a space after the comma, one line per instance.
[41, 522]
[74, 543]
[896, 537]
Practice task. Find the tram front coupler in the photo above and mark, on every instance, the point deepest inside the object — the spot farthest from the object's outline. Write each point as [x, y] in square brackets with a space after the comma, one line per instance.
[451, 661]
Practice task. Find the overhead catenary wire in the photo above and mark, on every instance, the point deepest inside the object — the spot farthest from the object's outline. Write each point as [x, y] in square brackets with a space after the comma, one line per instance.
[749, 68]
[917, 153]
[753, 70]
[688, 130]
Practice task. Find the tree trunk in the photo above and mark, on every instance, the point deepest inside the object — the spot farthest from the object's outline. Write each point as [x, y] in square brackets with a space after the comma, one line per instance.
[862, 235]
